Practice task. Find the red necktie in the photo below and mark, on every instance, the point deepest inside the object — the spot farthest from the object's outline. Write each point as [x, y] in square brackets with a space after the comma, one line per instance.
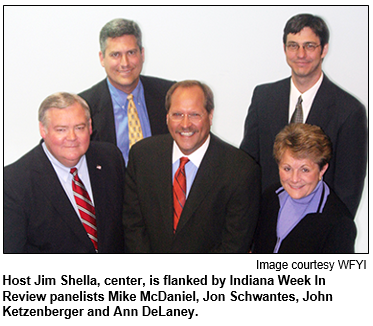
[179, 190]
[85, 207]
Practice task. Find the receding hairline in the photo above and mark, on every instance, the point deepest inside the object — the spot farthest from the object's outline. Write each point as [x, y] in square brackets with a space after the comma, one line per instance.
[206, 90]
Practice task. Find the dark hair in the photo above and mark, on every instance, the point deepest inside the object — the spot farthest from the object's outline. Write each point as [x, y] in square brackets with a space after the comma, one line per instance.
[303, 141]
[117, 28]
[209, 96]
[296, 23]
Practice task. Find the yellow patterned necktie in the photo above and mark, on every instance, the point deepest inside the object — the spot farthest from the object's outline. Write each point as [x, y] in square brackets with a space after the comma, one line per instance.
[134, 126]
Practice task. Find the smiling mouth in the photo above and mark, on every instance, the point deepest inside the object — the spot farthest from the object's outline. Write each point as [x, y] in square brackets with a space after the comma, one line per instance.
[302, 63]
[75, 146]
[187, 134]
[296, 187]
[124, 72]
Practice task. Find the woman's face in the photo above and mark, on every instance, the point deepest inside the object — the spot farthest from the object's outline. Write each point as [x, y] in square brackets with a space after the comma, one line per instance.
[299, 177]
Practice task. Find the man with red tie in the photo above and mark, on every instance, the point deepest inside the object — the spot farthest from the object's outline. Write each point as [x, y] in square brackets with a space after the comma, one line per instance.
[66, 194]
[188, 191]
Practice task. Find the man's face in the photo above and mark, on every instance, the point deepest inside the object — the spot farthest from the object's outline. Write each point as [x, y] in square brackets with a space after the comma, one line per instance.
[305, 65]
[123, 62]
[67, 133]
[189, 134]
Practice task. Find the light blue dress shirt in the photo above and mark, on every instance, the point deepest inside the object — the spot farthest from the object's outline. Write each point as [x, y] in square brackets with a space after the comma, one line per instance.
[191, 168]
[120, 105]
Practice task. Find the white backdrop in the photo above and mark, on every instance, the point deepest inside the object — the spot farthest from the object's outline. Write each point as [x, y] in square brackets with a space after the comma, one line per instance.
[232, 49]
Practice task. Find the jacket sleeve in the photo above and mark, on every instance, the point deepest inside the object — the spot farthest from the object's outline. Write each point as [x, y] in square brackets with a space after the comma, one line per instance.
[250, 141]
[341, 238]
[351, 159]
[242, 213]
[15, 221]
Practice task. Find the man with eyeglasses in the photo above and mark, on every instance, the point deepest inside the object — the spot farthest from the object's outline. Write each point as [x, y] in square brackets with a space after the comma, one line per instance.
[308, 96]
[188, 191]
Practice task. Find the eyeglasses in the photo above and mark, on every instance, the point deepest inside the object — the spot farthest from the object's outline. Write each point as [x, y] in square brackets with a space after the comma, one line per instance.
[193, 117]
[309, 47]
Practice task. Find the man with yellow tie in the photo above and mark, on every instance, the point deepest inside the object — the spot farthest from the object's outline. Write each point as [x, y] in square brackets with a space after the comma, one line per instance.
[125, 106]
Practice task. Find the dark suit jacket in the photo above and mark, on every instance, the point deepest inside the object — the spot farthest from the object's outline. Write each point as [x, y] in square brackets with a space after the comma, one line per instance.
[342, 118]
[332, 231]
[221, 210]
[99, 100]
[39, 217]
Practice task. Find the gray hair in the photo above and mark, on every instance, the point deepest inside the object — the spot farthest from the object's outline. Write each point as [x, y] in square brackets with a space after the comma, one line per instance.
[119, 27]
[61, 100]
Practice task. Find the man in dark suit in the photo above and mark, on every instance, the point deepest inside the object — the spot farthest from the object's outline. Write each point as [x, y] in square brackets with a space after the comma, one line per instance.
[218, 207]
[122, 55]
[341, 116]
[42, 212]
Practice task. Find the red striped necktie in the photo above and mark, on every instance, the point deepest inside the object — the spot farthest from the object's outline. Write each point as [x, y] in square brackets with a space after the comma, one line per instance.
[179, 190]
[85, 207]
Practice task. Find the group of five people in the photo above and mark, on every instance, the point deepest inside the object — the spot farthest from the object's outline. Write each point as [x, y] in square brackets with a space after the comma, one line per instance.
[131, 165]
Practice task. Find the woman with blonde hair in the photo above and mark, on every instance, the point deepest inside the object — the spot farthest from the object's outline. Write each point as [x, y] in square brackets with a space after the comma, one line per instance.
[303, 215]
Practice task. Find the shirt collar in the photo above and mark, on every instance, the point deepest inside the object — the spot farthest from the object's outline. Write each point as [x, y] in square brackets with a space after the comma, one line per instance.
[196, 157]
[118, 94]
[63, 171]
[308, 95]
[310, 203]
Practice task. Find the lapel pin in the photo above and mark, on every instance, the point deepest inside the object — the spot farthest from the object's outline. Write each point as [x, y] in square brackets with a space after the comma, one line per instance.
[98, 167]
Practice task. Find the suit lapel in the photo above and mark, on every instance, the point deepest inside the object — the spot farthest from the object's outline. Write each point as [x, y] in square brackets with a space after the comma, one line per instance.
[204, 180]
[55, 196]
[164, 182]
[279, 116]
[103, 116]
[97, 178]
[155, 105]
[320, 114]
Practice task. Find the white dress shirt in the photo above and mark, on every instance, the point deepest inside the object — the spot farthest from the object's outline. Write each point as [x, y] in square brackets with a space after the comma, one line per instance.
[307, 97]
